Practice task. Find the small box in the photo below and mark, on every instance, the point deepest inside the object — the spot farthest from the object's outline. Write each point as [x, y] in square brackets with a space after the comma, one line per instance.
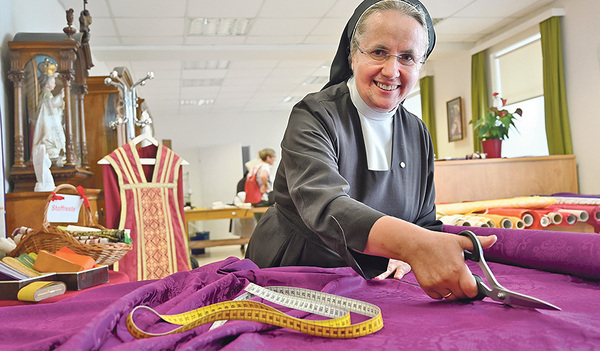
[84, 279]
[10, 288]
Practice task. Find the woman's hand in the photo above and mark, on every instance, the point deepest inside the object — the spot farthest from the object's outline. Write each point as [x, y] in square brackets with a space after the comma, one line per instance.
[399, 267]
[436, 258]
[441, 270]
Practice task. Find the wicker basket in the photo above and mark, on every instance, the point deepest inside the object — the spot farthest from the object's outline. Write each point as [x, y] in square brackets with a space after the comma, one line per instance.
[52, 239]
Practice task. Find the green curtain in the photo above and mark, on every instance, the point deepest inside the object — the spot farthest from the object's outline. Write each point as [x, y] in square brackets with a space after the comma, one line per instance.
[427, 110]
[558, 130]
[479, 93]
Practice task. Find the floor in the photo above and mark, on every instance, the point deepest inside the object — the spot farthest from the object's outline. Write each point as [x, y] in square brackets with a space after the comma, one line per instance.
[218, 253]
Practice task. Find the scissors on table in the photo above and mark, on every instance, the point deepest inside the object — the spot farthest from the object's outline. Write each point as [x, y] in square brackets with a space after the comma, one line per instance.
[496, 291]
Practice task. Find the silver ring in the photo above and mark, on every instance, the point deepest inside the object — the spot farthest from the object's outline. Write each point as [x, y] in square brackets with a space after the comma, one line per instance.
[447, 295]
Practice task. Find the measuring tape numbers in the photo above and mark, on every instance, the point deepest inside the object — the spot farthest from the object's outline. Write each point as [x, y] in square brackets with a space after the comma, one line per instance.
[336, 308]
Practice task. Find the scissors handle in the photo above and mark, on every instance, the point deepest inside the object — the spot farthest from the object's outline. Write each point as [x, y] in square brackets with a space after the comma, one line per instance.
[481, 290]
[474, 255]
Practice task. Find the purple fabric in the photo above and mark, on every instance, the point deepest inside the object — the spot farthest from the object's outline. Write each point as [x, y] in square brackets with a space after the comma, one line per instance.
[95, 319]
[576, 254]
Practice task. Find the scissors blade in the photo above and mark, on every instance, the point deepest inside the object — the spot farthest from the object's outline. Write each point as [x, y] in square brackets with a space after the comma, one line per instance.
[520, 300]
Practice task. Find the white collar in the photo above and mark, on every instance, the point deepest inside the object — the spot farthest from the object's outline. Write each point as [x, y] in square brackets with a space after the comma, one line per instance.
[362, 107]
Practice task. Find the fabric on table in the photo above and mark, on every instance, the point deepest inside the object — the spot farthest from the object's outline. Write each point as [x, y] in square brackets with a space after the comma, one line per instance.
[571, 198]
[544, 217]
[506, 222]
[592, 210]
[480, 206]
[561, 252]
[521, 213]
[466, 220]
[95, 319]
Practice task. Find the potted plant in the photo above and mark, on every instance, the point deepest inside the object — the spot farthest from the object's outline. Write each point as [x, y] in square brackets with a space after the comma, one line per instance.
[494, 126]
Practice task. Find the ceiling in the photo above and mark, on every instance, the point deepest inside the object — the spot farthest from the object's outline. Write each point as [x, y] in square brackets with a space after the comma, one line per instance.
[284, 55]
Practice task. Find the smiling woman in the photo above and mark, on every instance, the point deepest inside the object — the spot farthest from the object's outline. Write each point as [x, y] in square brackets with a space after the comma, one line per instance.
[383, 82]
[355, 183]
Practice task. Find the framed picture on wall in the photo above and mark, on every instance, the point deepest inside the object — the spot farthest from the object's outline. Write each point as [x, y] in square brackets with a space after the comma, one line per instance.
[456, 122]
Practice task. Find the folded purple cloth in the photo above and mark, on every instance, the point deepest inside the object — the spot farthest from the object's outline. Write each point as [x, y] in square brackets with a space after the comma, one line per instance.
[560, 252]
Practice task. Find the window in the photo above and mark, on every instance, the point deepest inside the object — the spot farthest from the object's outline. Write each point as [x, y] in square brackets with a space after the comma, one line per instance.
[530, 137]
[517, 76]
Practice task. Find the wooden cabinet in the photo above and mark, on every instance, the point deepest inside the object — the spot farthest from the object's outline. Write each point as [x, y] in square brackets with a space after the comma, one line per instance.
[500, 178]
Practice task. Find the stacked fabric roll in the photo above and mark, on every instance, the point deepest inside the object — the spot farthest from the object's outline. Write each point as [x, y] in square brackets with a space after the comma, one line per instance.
[535, 212]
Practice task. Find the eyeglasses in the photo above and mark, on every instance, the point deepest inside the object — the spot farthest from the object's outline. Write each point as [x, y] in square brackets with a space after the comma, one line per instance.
[380, 55]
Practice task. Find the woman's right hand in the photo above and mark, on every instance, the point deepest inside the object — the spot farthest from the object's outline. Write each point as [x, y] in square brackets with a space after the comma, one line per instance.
[441, 269]
[436, 258]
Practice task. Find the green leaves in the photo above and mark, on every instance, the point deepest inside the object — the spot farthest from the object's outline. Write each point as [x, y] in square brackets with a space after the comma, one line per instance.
[496, 123]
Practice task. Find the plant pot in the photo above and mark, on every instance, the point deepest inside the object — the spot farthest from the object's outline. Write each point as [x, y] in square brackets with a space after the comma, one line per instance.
[492, 147]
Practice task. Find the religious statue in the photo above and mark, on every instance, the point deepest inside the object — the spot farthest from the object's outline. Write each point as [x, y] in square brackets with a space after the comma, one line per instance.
[48, 126]
[41, 166]
[85, 19]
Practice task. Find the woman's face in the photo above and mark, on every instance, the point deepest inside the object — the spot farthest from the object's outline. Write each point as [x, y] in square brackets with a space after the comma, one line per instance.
[383, 85]
[270, 160]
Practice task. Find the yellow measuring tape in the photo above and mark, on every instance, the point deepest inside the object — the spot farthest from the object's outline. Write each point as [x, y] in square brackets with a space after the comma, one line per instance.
[337, 308]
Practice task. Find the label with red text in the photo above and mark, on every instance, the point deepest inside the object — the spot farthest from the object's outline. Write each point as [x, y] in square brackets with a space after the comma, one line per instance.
[65, 210]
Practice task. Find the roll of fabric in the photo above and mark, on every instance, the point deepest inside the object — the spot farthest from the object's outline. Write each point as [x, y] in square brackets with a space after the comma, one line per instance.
[454, 220]
[481, 206]
[524, 214]
[506, 222]
[544, 217]
[478, 221]
[560, 252]
[576, 199]
[580, 215]
[466, 220]
[593, 212]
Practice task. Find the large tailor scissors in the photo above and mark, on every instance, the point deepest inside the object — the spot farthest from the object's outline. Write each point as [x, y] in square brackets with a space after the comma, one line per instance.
[496, 291]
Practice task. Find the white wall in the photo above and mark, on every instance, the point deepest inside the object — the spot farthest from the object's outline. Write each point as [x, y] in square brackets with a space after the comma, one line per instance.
[452, 79]
[581, 48]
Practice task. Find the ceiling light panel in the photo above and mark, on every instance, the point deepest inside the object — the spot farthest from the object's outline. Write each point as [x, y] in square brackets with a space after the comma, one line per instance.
[208, 64]
[208, 82]
[219, 26]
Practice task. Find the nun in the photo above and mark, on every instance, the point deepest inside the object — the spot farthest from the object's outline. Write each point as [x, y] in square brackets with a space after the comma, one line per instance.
[354, 186]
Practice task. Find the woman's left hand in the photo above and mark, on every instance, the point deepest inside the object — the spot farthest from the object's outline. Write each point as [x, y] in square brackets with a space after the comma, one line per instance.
[399, 267]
